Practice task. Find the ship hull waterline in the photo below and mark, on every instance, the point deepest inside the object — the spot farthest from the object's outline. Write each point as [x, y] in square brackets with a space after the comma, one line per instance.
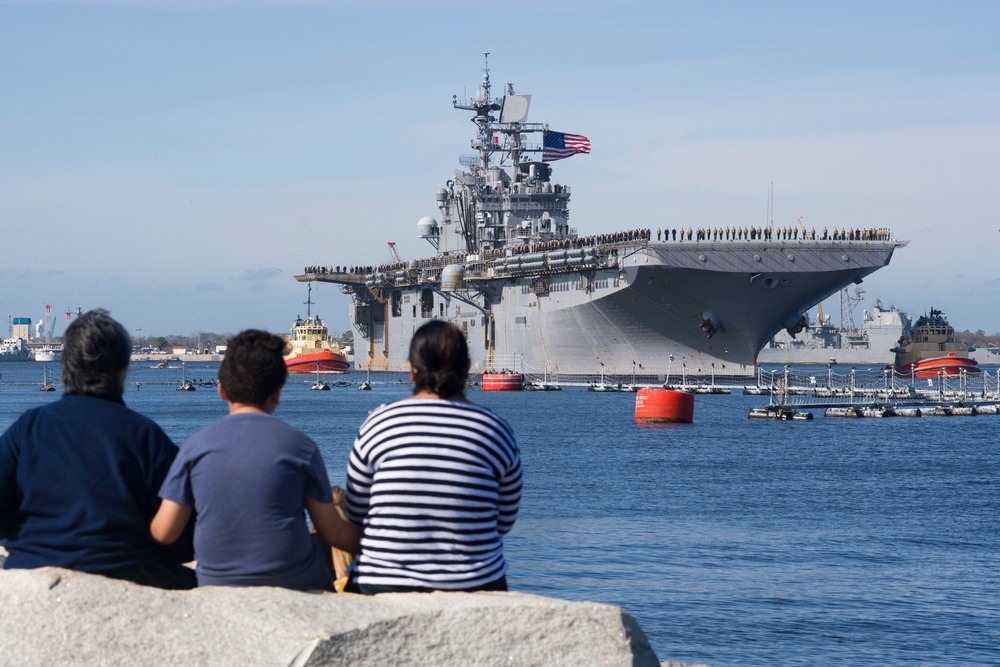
[949, 366]
[321, 362]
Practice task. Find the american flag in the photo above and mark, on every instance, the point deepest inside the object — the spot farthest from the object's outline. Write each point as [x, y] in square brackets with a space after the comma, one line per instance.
[557, 145]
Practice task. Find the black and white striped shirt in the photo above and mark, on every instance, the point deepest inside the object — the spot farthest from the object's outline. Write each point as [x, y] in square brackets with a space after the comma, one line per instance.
[435, 484]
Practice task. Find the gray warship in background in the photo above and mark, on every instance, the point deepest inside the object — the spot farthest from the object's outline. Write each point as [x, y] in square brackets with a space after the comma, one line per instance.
[872, 344]
[533, 295]
[820, 342]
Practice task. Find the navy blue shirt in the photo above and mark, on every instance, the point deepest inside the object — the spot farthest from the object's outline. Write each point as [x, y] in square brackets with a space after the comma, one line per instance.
[78, 487]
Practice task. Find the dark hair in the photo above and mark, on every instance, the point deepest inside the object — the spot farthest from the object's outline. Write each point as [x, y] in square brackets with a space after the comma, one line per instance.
[439, 356]
[253, 367]
[96, 349]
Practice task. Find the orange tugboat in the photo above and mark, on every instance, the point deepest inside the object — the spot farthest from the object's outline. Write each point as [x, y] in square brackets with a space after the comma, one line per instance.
[310, 348]
[931, 350]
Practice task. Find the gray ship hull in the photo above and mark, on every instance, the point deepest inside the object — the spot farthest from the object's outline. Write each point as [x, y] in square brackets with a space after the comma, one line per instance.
[809, 357]
[711, 306]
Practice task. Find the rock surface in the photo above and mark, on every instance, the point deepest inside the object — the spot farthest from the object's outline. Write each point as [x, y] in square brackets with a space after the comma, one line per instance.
[57, 617]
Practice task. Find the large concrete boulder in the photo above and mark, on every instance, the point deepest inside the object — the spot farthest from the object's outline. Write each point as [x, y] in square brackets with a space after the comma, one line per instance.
[52, 616]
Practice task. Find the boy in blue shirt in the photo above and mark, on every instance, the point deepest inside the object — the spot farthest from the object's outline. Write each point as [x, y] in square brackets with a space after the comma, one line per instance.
[250, 479]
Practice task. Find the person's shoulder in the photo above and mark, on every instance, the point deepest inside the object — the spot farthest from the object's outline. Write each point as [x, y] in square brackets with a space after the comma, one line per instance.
[264, 426]
[473, 408]
[388, 409]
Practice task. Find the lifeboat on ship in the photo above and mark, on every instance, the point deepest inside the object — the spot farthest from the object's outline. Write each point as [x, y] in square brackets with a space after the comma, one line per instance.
[931, 350]
[311, 350]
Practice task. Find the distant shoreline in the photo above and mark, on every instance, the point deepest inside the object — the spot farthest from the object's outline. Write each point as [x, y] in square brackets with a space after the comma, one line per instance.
[182, 358]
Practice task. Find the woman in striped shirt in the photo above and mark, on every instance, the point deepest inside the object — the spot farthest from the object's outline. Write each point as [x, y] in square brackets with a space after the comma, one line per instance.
[434, 480]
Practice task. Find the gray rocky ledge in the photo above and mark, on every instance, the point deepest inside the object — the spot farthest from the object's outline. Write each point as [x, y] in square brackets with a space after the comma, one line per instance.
[58, 617]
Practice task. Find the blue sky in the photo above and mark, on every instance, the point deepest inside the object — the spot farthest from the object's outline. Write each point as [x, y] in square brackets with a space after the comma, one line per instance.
[179, 162]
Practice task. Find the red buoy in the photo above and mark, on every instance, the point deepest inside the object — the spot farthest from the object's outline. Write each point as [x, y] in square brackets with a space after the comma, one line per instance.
[654, 406]
[503, 381]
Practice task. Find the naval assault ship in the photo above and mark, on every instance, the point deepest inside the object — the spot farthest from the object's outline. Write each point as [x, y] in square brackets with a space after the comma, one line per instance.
[533, 295]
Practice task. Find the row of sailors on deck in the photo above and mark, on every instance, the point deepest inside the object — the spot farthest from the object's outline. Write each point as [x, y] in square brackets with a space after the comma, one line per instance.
[340, 269]
[577, 242]
[767, 233]
[677, 234]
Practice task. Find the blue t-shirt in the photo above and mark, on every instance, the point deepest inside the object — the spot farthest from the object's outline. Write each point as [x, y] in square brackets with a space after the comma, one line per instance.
[78, 483]
[247, 476]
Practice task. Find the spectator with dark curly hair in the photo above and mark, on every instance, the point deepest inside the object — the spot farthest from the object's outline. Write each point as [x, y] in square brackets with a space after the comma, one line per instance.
[79, 477]
[249, 479]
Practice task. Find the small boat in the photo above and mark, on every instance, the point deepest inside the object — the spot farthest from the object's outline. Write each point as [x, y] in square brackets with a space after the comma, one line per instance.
[185, 385]
[319, 385]
[870, 411]
[541, 385]
[310, 348]
[46, 385]
[544, 384]
[779, 413]
[162, 364]
[931, 350]
[780, 410]
[604, 386]
[367, 384]
[48, 354]
[709, 389]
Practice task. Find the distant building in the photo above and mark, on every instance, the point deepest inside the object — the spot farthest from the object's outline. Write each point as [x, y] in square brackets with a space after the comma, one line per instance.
[21, 328]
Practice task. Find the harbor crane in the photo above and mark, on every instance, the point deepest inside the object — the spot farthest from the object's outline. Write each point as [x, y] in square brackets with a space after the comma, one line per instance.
[392, 251]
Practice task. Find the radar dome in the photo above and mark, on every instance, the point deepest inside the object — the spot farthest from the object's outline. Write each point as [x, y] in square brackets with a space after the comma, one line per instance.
[427, 227]
[441, 195]
[451, 277]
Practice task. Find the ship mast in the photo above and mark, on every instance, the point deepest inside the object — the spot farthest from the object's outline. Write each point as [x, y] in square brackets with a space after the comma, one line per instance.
[485, 143]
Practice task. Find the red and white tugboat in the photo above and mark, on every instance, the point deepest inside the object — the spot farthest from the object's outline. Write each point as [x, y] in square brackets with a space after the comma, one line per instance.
[930, 350]
[310, 348]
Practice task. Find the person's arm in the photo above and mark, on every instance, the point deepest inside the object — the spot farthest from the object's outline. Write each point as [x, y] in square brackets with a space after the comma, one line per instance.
[331, 527]
[170, 521]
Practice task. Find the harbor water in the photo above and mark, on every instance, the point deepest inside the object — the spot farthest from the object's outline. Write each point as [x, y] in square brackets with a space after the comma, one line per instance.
[731, 541]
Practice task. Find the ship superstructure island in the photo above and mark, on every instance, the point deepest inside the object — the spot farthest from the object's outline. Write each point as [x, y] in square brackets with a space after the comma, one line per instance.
[532, 294]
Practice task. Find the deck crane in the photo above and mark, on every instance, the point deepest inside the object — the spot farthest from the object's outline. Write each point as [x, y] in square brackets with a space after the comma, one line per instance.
[392, 251]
